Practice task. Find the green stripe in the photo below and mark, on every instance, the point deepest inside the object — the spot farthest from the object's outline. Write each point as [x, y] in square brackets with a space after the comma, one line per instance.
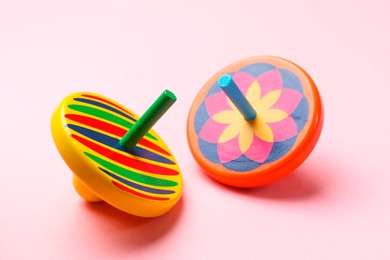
[106, 116]
[130, 174]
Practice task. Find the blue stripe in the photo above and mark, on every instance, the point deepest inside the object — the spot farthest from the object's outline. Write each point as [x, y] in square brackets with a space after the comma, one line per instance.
[135, 185]
[114, 143]
[96, 103]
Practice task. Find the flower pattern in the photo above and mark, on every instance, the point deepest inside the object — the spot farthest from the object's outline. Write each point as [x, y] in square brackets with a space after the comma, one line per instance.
[225, 137]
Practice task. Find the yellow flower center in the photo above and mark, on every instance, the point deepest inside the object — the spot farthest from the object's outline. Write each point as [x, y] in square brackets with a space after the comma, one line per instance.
[246, 130]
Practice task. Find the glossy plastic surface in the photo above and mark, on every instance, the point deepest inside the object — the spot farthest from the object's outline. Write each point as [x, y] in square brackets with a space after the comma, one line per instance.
[290, 120]
[145, 181]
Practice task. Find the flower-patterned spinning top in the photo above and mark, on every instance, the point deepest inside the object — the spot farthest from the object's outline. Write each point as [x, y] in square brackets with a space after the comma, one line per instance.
[255, 121]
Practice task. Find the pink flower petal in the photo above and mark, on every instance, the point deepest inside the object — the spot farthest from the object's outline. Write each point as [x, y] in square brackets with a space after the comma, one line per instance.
[243, 81]
[288, 100]
[229, 150]
[217, 103]
[259, 150]
[269, 81]
[284, 129]
[211, 131]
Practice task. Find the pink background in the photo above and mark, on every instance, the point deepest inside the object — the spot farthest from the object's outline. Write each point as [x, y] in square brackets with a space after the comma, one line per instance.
[335, 206]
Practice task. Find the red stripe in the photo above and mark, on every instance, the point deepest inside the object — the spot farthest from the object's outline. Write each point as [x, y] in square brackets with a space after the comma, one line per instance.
[112, 129]
[108, 102]
[137, 193]
[151, 145]
[122, 159]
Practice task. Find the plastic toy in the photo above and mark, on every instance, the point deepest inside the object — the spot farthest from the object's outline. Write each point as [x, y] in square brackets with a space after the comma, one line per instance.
[255, 121]
[133, 170]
